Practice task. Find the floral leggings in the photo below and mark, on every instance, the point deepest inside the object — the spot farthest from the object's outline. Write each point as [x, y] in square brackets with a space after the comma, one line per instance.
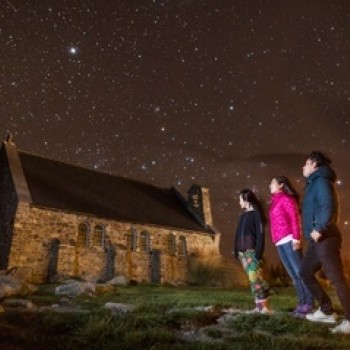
[259, 287]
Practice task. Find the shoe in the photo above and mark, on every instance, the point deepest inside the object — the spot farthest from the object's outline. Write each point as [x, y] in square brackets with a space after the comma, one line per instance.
[343, 328]
[320, 316]
[302, 310]
[265, 311]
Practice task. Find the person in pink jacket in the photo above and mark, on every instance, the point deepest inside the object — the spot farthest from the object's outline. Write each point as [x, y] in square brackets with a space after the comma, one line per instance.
[286, 235]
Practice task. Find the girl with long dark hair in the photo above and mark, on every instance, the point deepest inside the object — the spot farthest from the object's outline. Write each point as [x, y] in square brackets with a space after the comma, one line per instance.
[249, 247]
[286, 235]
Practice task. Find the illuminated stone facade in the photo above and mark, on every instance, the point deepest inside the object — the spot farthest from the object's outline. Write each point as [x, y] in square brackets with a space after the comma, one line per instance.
[39, 234]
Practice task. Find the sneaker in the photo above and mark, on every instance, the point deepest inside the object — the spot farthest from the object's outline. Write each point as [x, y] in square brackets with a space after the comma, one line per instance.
[302, 310]
[265, 311]
[320, 316]
[343, 328]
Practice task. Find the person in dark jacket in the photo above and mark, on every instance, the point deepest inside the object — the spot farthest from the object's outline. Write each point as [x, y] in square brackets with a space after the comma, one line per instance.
[320, 216]
[249, 247]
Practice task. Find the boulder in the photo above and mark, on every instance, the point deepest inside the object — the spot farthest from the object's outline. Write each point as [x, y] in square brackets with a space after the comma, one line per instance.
[21, 273]
[12, 286]
[19, 303]
[119, 307]
[119, 281]
[76, 288]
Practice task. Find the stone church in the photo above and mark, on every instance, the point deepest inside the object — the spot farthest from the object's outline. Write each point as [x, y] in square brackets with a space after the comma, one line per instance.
[65, 220]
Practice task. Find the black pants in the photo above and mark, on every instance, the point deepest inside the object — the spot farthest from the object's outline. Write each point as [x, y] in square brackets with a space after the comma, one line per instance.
[326, 254]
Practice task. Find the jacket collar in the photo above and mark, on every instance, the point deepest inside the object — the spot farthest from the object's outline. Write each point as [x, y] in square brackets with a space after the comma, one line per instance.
[277, 195]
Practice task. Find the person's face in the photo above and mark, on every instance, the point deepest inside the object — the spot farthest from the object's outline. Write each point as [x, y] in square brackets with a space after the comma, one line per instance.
[244, 204]
[309, 167]
[275, 186]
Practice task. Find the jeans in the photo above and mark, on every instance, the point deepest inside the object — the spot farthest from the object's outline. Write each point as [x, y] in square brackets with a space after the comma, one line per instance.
[326, 254]
[291, 260]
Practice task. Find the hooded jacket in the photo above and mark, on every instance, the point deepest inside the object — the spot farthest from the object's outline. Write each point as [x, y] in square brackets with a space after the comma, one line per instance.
[284, 217]
[320, 204]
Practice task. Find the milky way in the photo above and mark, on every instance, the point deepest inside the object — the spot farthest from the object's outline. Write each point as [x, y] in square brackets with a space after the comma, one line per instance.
[221, 93]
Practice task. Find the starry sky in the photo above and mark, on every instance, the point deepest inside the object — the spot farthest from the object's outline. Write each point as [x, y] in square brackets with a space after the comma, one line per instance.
[225, 94]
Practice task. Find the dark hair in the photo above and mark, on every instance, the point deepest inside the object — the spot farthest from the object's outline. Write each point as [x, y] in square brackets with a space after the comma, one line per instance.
[287, 186]
[250, 197]
[319, 158]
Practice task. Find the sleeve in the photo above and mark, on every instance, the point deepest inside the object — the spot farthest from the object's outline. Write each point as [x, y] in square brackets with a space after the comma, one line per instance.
[260, 236]
[326, 206]
[235, 246]
[291, 208]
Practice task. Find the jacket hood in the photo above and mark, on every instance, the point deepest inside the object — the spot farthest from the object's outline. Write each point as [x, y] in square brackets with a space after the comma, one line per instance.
[323, 171]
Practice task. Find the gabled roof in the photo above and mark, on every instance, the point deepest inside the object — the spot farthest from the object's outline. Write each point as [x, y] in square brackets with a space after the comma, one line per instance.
[71, 188]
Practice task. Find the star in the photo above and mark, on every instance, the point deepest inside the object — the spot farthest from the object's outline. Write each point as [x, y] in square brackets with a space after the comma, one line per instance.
[73, 50]
[167, 98]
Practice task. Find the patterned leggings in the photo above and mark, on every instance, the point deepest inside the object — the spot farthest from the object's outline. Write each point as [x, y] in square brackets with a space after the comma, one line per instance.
[259, 287]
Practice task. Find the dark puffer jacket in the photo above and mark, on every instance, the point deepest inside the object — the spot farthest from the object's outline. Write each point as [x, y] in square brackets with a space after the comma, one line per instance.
[320, 204]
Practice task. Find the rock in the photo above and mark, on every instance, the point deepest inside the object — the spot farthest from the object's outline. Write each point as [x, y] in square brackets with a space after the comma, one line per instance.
[119, 281]
[224, 319]
[19, 303]
[12, 286]
[75, 289]
[21, 273]
[189, 309]
[65, 300]
[204, 308]
[64, 309]
[119, 307]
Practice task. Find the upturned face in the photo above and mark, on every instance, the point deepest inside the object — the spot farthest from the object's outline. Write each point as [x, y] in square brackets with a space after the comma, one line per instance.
[309, 167]
[275, 186]
[243, 203]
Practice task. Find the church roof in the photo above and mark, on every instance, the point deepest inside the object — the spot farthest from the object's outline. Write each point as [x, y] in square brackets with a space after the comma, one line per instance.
[71, 188]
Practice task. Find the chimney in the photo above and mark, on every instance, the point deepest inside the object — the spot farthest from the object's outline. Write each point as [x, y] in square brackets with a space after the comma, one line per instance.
[199, 203]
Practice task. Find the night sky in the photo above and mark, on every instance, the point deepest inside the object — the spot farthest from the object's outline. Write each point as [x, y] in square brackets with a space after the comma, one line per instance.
[225, 94]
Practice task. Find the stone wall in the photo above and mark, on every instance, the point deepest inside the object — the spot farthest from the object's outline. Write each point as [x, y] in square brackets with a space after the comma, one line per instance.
[73, 244]
[8, 205]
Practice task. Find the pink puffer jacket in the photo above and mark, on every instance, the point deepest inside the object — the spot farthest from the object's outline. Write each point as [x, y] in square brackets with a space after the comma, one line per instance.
[284, 217]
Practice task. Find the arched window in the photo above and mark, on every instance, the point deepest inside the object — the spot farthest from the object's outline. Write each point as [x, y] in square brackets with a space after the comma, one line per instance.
[99, 236]
[144, 241]
[172, 244]
[132, 240]
[83, 235]
[182, 246]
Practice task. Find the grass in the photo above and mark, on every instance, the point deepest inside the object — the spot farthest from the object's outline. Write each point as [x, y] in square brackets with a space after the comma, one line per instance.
[165, 317]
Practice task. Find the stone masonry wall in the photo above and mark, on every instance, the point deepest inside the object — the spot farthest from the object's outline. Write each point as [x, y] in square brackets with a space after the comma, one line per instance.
[8, 205]
[37, 231]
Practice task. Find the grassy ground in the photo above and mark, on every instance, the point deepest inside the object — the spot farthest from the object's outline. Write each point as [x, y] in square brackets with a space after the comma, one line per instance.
[165, 318]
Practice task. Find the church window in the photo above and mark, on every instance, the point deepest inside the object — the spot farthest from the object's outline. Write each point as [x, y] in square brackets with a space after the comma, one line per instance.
[144, 241]
[132, 240]
[99, 236]
[171, 244]
[83, 235]
[182, 246]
